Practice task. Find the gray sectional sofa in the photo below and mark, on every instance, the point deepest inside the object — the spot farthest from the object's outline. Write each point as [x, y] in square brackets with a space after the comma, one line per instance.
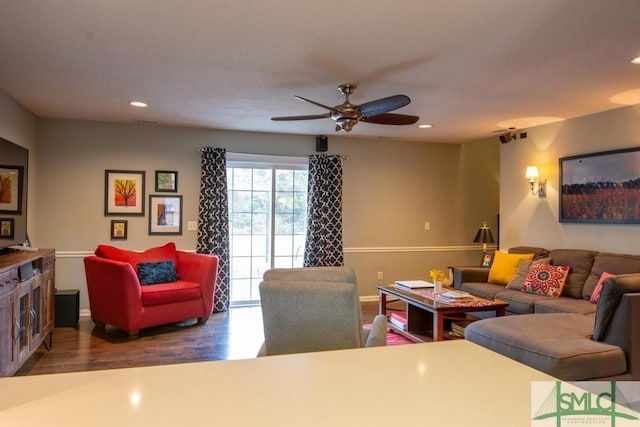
[567, 337]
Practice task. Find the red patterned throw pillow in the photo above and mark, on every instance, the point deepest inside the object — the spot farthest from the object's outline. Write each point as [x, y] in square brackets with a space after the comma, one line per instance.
[545, 279]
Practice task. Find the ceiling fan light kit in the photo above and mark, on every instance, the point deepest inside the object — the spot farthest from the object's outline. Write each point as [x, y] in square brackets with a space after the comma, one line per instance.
[347, 115]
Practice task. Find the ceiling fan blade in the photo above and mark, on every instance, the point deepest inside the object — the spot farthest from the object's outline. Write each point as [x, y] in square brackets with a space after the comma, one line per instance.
[311, 117]
[383, 105]
[391, 119]
[326, 107]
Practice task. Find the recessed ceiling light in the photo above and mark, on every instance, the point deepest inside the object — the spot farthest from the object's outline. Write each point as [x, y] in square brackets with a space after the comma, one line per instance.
[138, 104]
[425, 126]
[636, 60]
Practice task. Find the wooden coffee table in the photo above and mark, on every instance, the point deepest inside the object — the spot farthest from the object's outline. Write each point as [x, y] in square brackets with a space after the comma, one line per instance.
[426, 314]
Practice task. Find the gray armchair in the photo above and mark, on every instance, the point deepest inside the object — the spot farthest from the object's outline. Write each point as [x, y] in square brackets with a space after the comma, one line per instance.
[315, 309]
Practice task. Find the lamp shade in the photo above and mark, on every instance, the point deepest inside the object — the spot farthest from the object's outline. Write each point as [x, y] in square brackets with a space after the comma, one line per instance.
[484, 235]
[531, 173]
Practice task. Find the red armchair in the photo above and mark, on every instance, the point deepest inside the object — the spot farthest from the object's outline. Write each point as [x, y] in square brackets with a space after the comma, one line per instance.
[117, 298]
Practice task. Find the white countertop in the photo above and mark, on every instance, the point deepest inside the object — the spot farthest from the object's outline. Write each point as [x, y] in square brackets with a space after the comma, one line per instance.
[450, 383]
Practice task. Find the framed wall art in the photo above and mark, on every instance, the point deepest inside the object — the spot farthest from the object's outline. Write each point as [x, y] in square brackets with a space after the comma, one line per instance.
[165, 214]
[601, 187]
[167, 181]
[487, 259]
[11, 178]
[124, 192]
[7, 228]
[118, 229]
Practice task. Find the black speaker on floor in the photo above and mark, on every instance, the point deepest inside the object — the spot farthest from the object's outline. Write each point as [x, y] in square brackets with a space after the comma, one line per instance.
[322, 143]
[67, 307]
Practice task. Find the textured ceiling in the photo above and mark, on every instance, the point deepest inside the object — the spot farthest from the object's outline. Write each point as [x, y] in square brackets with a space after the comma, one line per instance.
[470, 68]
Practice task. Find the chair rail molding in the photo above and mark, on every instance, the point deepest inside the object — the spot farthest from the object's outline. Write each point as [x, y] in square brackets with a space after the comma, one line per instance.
[352, 250]
[389, 249]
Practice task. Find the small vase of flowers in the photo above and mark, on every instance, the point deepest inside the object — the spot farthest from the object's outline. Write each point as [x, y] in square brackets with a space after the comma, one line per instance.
[437, 277]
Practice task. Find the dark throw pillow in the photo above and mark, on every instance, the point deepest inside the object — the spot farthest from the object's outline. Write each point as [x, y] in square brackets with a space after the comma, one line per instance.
[153, 273]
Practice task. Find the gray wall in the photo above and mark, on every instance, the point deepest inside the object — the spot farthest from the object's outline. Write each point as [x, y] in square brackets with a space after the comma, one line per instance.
[528, 220]
[19, 125]
[391, 188]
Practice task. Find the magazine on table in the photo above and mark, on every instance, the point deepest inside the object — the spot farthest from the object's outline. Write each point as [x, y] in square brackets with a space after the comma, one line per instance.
[399, 320]
[455, 295]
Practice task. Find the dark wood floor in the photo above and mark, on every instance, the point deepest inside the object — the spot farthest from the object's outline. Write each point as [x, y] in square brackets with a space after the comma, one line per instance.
[236, 334]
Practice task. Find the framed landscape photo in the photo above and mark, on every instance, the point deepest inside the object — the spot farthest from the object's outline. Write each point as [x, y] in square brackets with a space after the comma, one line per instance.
[118, 229]
[165, 214]
[7, 228]
[601, 187]
[11, 189]
[124, 192]
[167, 181]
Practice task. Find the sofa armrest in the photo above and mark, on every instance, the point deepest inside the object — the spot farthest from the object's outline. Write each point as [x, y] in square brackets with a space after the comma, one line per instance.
[624, 331]
[469, 274]
[201, 269]
[377, 336]
[114, 292]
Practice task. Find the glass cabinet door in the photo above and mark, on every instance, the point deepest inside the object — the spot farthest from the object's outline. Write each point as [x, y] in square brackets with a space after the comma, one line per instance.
[36, 312]
[22, 321]
[7, 352]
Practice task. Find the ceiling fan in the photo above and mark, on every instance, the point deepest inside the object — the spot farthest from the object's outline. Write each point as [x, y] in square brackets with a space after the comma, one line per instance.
[347, 115]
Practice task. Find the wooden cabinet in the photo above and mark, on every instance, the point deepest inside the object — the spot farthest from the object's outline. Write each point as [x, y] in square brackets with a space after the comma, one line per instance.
[26, 305]
[49, 289]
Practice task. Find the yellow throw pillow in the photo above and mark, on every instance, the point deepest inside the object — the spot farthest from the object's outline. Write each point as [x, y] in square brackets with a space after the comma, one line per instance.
[505, 266]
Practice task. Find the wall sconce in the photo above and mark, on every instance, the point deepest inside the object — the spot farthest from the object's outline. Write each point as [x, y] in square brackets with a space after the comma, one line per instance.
[533, 177]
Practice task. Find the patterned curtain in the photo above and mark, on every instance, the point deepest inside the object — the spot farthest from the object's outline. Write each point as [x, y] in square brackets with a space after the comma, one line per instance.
[213, 219]
[324, 212]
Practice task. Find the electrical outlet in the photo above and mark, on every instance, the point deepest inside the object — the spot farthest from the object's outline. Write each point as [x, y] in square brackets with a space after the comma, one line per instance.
[379, 275]
[192, 225]
[427, 226]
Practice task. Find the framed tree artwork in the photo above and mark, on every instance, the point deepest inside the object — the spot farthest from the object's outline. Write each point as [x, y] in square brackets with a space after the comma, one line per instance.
[124, 192]
[11, 189]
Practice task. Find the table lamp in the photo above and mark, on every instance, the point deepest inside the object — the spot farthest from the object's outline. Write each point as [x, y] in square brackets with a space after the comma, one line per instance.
[484, 236]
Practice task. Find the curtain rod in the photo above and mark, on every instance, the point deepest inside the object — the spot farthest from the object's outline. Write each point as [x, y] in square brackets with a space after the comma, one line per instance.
[275, 155]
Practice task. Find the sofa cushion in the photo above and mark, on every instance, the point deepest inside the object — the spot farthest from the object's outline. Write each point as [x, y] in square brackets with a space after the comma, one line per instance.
[504, 267]
[545, 279]
[611, 263]
[168, 293]
[523, 269]
[520, 302]
[580, 262]
[482, 289]
[152, 273]
[564, 305]
[558, 344]
[536, 251]
[160, 253]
